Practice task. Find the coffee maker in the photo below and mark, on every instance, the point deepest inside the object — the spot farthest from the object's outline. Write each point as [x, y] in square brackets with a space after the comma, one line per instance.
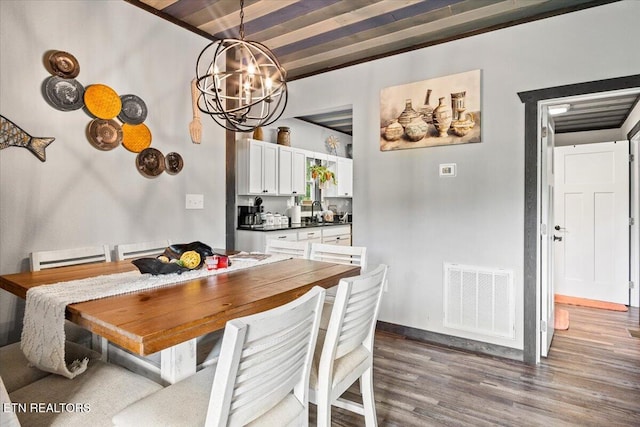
[249, 215]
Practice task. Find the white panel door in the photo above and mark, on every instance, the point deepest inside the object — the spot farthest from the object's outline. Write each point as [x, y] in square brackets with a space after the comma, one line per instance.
[592, 214]
[547, 303]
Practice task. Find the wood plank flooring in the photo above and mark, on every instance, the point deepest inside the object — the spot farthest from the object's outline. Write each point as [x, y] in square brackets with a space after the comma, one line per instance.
[591, 378]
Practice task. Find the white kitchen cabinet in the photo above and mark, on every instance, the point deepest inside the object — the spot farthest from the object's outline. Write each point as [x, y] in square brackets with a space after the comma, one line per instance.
[311, 235]
[331, 189]
[342, 167]
[345, 177]
[257, 167]
[337, 235]
[256, 241]
[291, 171]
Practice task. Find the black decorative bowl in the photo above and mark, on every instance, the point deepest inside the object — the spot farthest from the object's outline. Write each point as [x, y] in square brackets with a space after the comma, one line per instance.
[155, 266]
[175, 251]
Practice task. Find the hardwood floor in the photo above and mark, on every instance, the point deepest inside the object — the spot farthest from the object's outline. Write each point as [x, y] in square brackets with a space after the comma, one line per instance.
[591, 378]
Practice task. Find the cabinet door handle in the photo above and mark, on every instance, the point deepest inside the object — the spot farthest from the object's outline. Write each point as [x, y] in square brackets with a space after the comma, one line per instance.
[282, 237]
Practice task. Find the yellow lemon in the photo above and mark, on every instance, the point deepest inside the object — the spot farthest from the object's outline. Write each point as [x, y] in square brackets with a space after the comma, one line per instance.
[190, 259]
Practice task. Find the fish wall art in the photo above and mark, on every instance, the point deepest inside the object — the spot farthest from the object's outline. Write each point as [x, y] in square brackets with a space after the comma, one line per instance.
[11, 135]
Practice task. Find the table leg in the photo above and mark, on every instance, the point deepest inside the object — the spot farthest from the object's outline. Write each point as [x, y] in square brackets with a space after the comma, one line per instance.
[178, 362]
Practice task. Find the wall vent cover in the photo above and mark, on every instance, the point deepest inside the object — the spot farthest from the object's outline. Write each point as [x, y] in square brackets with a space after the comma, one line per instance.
[479, 300]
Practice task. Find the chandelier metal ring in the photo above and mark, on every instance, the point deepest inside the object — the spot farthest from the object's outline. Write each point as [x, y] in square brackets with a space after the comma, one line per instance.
[243, 86]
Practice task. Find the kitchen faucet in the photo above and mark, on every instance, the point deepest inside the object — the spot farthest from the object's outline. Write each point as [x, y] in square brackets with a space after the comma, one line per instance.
[313, 217]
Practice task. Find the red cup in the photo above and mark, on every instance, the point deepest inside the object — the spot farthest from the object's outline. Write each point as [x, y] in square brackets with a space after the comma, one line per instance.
[223, 261]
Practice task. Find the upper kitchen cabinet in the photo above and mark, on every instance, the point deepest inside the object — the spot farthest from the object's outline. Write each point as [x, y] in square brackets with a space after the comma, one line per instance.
[291, 171]
[257, 167]
[342, 167]
[345, 177]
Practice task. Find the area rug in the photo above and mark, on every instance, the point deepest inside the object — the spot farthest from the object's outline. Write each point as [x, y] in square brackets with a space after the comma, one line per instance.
[584, 302]
[561, 319]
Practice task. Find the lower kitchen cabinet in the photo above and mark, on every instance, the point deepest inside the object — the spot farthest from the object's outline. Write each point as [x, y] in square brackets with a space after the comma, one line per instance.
[311, 235]
[338, 235]
[256, 241]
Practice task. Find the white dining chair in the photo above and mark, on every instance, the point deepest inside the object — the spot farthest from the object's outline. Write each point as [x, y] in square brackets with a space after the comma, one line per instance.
[339, 254]
[9, 418]
[90, 399]
[261, 378]
[41, 260]
[17, 372]
[59, 258]
[140, 250]
[297, 249]
[344, 351]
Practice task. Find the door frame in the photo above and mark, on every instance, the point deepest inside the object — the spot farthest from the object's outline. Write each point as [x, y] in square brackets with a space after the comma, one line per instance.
[634, 205]
[531, 266]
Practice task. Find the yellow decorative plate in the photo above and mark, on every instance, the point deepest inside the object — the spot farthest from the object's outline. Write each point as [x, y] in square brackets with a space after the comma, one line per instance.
[102, 101]
[136, 138]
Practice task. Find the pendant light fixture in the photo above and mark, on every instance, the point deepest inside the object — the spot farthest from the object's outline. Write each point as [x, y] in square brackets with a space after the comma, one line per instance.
[244, 86]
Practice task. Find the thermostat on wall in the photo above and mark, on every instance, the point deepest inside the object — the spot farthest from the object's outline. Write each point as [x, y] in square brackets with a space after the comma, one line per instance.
[448, 169]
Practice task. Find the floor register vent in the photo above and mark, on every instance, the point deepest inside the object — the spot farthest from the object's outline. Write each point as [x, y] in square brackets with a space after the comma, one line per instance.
[479, 300]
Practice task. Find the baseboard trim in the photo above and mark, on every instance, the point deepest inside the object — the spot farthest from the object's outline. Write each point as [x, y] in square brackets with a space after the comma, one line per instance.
[451, 341]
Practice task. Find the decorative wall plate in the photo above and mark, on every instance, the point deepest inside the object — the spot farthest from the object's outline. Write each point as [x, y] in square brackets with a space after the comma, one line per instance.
[102, 101]
[150, 162]
[134, 110]
[173, 163]
[64, 94]
[105, 135]
[136, 138]
[64, 64]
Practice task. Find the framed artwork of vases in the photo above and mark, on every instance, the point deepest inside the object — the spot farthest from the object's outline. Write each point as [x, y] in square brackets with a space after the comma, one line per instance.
[441, 111]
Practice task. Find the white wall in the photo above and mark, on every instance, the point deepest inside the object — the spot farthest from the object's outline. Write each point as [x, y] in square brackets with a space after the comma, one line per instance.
[80, 195]
[414, 221]
[306, 135]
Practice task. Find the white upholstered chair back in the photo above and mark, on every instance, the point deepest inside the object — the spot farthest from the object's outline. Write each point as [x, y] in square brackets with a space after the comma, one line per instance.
[344, 352]
[297, 249]
[140, 250]
[265, 362]
[60, 258]
[339, 254]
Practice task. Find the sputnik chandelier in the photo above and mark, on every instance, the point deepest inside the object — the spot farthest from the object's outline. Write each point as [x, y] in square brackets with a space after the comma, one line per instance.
[244, 86]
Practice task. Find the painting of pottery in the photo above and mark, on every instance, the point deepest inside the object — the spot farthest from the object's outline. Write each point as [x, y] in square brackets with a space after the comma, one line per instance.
[440, 111]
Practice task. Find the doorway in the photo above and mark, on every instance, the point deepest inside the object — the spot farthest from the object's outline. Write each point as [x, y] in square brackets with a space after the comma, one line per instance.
[591, 250]
[534, 102]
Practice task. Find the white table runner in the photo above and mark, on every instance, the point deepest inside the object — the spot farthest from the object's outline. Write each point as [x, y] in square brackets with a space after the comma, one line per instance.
[43, 334]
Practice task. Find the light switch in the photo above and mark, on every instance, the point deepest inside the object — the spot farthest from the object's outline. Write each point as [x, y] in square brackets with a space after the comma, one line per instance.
[447, 169]
[194, 201]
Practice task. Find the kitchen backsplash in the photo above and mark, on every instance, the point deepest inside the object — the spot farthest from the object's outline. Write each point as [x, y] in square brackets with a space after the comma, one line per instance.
[278, 204]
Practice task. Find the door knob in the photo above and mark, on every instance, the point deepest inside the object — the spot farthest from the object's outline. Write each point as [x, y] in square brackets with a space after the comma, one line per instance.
[558, 228]
[558, 238]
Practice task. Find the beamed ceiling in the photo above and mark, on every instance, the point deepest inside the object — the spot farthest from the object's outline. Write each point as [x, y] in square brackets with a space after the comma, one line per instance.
[310, 37]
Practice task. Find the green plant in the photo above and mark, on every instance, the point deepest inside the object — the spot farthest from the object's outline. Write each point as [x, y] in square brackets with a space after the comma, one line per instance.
[322, 174]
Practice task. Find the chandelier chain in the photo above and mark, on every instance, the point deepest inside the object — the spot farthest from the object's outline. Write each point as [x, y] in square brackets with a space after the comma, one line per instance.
[241, 19]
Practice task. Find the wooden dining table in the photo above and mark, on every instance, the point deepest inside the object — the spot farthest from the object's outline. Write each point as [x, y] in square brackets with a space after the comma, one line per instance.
[169, 319]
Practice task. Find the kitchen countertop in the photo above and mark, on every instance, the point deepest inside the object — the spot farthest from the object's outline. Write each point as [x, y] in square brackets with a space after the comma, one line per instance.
[292, 227]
